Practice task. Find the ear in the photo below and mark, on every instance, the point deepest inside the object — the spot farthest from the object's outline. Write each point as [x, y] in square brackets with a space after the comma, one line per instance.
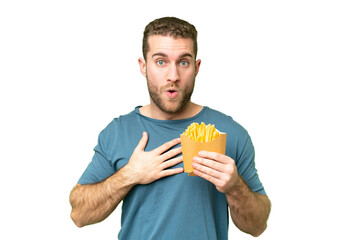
[142, 65]
[197, 66]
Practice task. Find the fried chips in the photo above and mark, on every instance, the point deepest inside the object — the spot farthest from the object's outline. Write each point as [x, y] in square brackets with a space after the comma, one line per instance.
[202, 132]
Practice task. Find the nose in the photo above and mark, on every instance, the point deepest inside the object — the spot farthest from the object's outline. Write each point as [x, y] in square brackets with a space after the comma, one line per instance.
[173, 74]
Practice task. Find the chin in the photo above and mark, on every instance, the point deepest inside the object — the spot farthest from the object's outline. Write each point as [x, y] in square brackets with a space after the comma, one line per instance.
[173, 107]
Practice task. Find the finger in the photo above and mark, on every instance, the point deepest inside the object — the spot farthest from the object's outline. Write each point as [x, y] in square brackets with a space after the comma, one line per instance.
[220, 167]
[207, 171]
[171, 162]
[142, 143]
[166, 146]
[171, 153]
[215, 156]
[213, 180]
[170, 172]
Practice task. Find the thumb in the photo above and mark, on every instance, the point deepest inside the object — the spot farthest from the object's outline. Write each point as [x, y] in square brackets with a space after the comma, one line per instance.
[142, 143]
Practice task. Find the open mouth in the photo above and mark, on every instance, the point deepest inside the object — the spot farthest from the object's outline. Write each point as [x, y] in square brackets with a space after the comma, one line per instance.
[171, 93]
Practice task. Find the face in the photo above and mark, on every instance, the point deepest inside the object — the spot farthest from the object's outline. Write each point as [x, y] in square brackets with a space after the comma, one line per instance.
[170, 69]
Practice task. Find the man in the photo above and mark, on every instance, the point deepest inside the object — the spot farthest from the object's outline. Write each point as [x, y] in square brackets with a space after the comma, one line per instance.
[159, 200]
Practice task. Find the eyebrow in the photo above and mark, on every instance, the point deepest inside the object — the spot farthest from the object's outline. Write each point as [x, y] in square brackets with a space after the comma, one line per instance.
[159, 54]
[186, 55]
[164, 55]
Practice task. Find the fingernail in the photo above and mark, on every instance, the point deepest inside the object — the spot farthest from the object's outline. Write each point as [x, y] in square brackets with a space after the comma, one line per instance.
[201, 153]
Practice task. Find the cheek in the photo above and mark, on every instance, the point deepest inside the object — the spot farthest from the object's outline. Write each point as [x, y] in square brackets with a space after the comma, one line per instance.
[153, 73]
[153, 80]
[188, 75]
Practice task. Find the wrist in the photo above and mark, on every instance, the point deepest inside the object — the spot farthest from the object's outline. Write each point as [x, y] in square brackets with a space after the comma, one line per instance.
[122, 179]
[239, 189]
[129, 177]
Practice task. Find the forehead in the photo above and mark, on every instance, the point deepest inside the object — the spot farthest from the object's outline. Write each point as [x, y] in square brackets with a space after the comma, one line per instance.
[170, 46]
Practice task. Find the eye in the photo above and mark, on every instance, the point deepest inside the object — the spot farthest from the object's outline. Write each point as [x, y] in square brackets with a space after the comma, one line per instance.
[184, 63]
[160, 62]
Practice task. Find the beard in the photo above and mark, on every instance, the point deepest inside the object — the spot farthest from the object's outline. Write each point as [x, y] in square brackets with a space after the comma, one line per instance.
[171, 106]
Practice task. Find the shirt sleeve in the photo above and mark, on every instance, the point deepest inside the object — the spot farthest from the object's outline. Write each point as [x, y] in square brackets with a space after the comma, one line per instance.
[246, 166]
[100, 166]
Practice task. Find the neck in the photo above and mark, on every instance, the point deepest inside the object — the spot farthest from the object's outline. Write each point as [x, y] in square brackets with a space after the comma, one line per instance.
[152, 111]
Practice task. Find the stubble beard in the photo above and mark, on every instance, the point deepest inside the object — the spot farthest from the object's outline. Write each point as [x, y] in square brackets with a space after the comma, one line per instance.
[171, 106]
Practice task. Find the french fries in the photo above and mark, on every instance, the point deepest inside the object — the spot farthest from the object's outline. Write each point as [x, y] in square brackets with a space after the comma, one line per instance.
[202, 132]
